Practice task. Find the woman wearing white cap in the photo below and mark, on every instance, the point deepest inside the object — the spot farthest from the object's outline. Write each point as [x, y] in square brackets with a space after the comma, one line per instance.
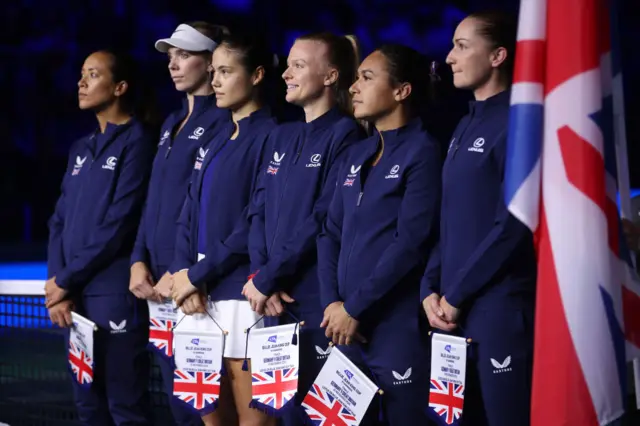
[189, 52]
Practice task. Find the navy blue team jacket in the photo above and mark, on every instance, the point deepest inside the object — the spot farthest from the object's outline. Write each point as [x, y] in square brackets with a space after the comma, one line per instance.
[170, 176]
[382, 224]
[93, 227]
[214, 218]
[291, 203]
[483, 250]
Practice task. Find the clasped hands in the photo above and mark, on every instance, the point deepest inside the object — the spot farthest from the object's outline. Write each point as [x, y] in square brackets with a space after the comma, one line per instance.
[339, 326]
[59, 307]
[174, 286]
[262, 304]
[440, 313]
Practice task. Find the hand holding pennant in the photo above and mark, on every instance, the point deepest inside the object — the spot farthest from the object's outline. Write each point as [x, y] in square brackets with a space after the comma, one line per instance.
[341, 394]
[81, 349]
[198, 359]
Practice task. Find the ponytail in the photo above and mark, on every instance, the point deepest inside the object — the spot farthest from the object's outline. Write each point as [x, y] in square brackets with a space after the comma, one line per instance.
[406, 65]
[253, 52]
[139, 99]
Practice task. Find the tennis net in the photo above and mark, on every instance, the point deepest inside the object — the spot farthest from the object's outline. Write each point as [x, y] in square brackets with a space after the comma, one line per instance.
[35, 385]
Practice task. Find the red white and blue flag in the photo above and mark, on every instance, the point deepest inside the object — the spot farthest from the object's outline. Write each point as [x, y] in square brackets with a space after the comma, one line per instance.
[161, 335]
[81, 365]
[201, 390]
[447, 400]
[274, 388]
[325, 410]
[561, 181]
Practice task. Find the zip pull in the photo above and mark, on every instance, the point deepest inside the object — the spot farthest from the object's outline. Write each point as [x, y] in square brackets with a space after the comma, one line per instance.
[295, 161]
[166, 155]
[359, 198]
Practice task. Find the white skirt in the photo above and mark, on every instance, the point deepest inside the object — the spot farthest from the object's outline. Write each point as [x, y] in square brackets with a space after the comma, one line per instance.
[233, 316]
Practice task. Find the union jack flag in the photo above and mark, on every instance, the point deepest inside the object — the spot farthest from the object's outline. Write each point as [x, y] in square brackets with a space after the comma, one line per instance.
[446, 399]
[196, 388]
[349, 182]
[81, 364]
[272, 170]
[324, 410]
[275, 388]
[161, 336]
[561, 182]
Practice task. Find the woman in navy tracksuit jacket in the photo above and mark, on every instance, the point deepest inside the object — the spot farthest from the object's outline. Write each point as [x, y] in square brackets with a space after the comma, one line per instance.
[481, 285]
[295, 190]
[381, 226]
[91, 239]
[211, 249]
[182, 133]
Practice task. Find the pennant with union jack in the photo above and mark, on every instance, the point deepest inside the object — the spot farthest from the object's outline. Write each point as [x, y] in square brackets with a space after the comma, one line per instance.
[325, 410]
[81, 364]
[274, 389]
[161, 336]
[447, 400]
[199, 389]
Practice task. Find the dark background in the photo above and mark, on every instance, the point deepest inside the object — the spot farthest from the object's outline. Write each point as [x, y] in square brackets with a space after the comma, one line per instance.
[43, 45]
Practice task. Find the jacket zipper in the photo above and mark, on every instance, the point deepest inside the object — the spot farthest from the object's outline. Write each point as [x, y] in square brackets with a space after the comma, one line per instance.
[195, 219]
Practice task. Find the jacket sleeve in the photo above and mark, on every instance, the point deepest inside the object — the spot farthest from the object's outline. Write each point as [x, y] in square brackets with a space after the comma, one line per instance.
[120, 220]
[416, 232]
[328, 244]
[55, 255]
[431, 280]
[221, 258]
[494, 251]
[140, 252]
[303, 238]
[256, 217]
[182, 258]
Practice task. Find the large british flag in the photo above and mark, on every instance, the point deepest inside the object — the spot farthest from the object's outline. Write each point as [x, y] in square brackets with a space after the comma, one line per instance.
[273, 389]
[161, 335]
[324, 410]
[561, 182]
[81, 365]
[447, 400]
[199, 389]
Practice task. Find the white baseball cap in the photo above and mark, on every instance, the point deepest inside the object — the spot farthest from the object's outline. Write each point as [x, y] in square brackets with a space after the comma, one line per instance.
[187, 38]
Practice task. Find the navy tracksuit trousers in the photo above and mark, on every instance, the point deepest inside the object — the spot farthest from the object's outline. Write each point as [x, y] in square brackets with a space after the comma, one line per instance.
[119, 393]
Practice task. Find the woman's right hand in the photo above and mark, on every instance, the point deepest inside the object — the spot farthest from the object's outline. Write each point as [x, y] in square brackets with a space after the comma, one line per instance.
[141, 283]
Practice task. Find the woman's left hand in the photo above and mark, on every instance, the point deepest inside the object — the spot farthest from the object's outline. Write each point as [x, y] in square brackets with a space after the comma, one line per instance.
[182, 287]
[195, 304]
